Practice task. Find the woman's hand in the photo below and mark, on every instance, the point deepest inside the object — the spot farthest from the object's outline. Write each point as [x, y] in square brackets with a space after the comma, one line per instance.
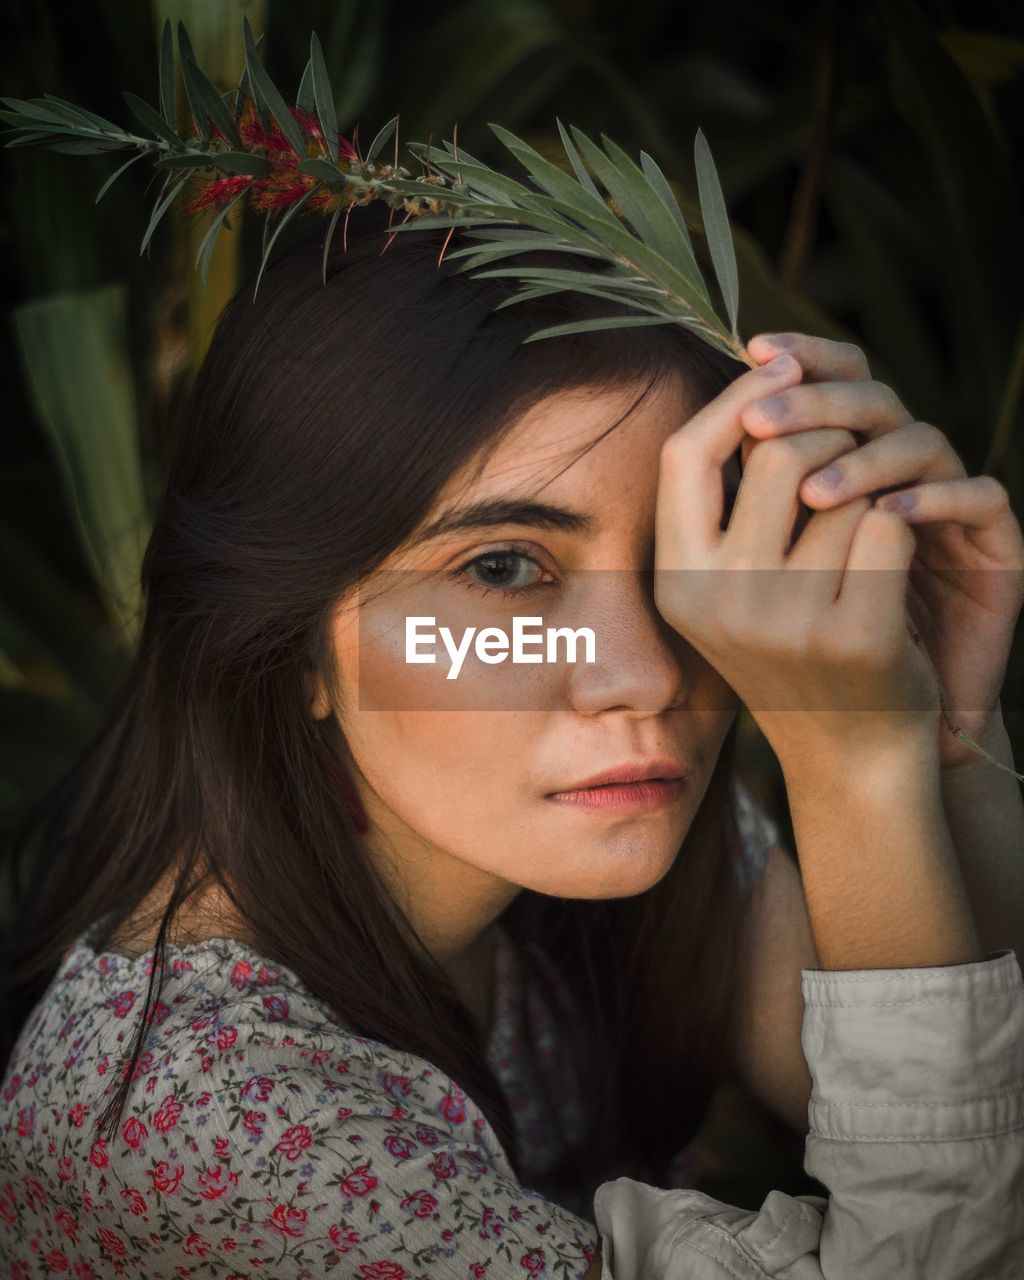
[803, 650]
[966, 587]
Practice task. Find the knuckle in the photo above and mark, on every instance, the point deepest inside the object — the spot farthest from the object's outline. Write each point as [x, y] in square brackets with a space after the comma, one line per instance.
[933, 437]
[995, 491]
[852, 357]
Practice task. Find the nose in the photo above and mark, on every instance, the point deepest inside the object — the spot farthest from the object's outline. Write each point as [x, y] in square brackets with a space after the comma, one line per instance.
[643, 665]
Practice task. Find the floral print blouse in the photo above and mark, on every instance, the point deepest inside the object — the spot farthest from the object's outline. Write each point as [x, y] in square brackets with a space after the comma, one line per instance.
[263, 1138]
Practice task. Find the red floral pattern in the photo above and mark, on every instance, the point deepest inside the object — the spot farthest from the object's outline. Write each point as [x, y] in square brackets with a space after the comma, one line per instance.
[262, 1138]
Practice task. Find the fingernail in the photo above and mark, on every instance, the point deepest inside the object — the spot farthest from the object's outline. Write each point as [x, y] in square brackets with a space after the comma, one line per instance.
[774, 408]
[778, 367]
[901, 503]
[776, 339]
[827, 478]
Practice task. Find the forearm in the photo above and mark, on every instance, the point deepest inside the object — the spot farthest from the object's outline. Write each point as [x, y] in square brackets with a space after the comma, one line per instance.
[880, 872]
[984, 809]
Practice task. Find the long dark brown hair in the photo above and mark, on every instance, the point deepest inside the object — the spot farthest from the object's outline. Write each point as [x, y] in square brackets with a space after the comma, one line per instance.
[325, 419]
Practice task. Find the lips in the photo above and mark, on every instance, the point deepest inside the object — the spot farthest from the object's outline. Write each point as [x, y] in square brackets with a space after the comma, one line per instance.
[632, 771]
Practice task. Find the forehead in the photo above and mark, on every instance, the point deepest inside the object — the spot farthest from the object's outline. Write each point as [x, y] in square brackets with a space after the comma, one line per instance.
[583, 438]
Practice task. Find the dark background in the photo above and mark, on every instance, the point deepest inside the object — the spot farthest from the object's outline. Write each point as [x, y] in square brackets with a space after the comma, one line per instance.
[870, 156]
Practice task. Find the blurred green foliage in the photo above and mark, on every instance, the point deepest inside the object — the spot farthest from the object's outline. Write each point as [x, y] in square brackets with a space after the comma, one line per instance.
[869, 162]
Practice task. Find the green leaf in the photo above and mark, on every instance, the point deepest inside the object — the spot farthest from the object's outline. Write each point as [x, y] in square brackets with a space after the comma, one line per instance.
[599, 280]
[283, 221]
[187, 58]
[23, 110]
[267, 92]
[186, 160]
[168, 89]
[551, 178]
[589, 326]
[152, 120]
[304, 98]
[325, 172]
[202, 262]
[206, 103]
[661, 185]
[324, 96]
[716, 228]
[579, 168]
[163, 204]
[115, 175]
[632, 197]
[74, 350]
[377, 144]
[328, 238]
[85, 117]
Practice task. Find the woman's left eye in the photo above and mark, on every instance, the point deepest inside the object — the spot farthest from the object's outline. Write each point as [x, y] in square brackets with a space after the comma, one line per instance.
[494, 566]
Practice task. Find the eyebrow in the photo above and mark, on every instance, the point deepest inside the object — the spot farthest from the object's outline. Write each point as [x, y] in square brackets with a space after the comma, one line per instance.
[495, 511]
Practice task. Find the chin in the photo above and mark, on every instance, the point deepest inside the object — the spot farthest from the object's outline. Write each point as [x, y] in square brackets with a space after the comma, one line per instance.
[619, 871]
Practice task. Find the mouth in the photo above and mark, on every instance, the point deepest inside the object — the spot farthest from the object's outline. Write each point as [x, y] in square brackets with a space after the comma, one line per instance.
[627, 788]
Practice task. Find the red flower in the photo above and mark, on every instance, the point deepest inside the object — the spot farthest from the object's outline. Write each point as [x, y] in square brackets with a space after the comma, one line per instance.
[98, 1155]
[253, 1121]
[214, 1182]
[443, 1165]
[288, 1220]
[165, 1178]
[76, 1115]
[294, 1141]
[535, 1261]
[400, 1148]
[168, 1114]
[359, 1182]
[57, 1260]
[382, 1271]
[134, 1199]
[112, 1243]
[196, 1246]
[452, 1108]
[343, 1238]
[258, 1087]
[134, 1132]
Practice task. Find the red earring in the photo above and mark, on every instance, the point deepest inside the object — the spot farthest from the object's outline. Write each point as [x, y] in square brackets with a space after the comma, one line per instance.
[347, 794]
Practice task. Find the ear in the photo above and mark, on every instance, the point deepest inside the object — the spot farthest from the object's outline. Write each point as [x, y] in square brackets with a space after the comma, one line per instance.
[319, 703]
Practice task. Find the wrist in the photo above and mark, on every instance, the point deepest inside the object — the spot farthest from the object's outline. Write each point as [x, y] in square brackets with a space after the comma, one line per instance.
[863, 760]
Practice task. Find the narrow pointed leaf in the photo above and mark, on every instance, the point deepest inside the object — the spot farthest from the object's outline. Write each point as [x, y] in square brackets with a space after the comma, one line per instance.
[327, 240]
[381, 139]
[86, 117]
[631, 198]
[27, 110]
[283, 221]
[716, 228]
[304, 98]
[267, 93]
[240, 162]
[163, 204]
[185, 160]
[325, 172]
[206, 100]
[168, 91]
[661, 185]
[550, 177]
[324, 96]
[206, 248]
[579, 168]
[152, 120]
[590, 326]
[115, 175]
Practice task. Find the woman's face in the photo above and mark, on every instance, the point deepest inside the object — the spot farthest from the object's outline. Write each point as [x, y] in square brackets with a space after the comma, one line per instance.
[458, 776]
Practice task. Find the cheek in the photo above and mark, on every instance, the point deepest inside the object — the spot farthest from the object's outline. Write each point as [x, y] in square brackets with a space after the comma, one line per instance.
[379, 677]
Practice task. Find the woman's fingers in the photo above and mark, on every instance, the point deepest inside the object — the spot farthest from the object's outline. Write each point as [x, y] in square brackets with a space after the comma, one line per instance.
[868, 407]
[871, 609]
[979, 503]
[690, 504]
[914, 453]
[821, 551]
[766, 507]
[821, 359]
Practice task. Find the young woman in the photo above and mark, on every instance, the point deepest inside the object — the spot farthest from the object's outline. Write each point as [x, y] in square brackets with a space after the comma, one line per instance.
[328, 963]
